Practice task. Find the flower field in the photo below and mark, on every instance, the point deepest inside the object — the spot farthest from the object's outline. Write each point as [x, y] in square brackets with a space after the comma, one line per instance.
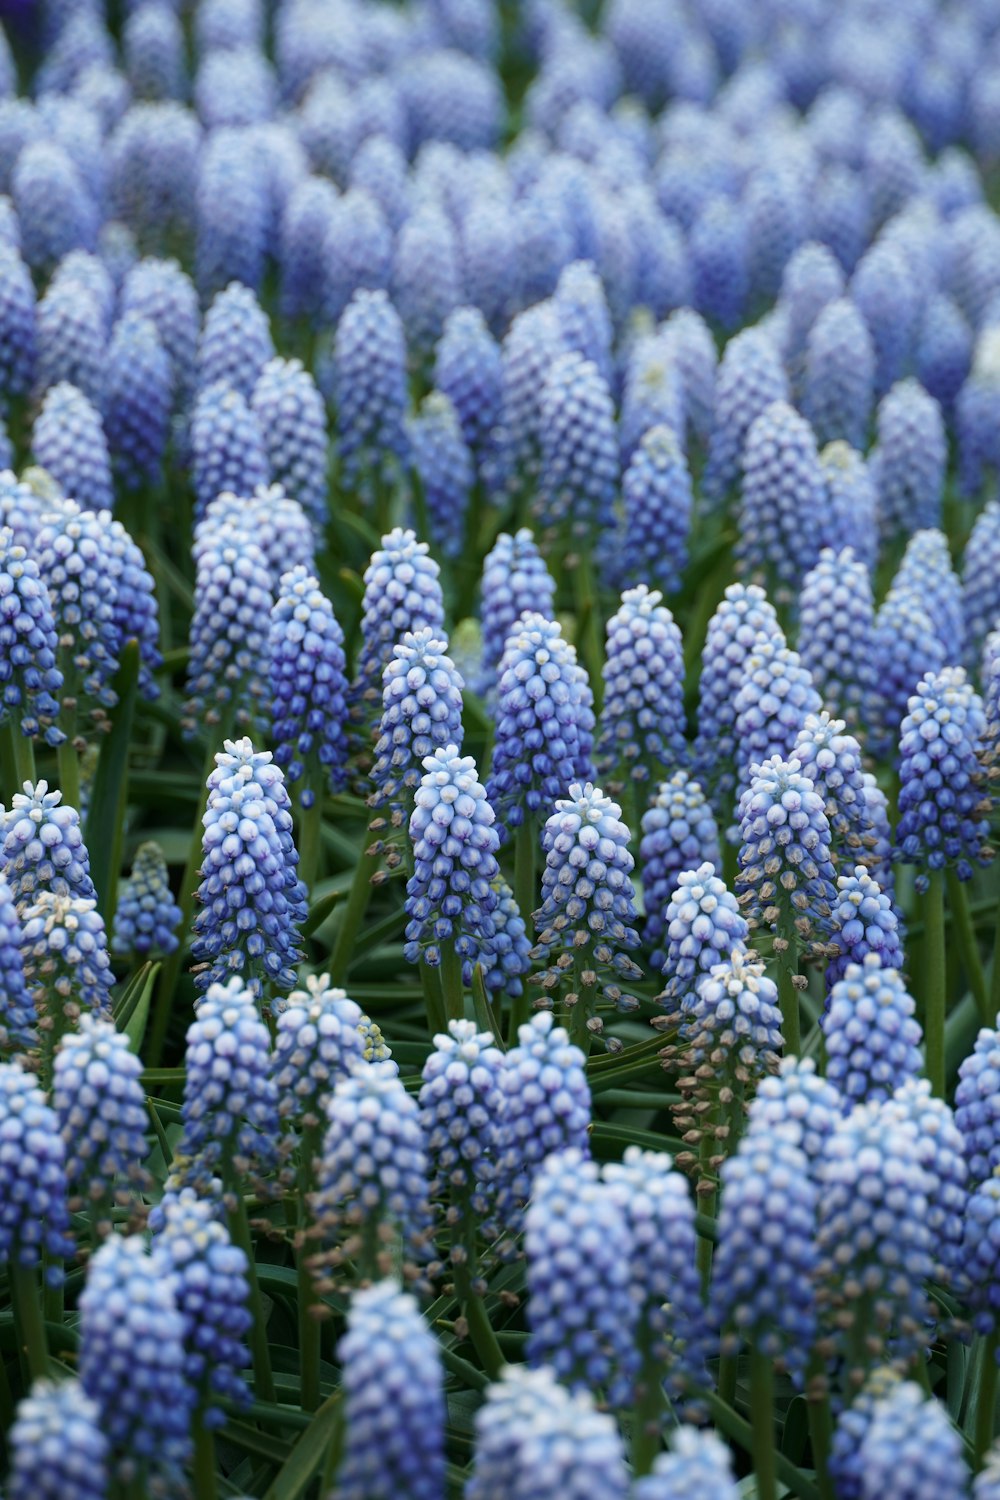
[499, 749]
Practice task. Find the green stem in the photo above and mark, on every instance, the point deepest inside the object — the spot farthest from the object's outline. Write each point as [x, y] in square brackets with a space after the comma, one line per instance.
[334, 1451]
[185, 899]
[310, 841]
[430, 980]
[647, 1434]
[452, 986]
[205, 1480]
[729, 1367]
[525, 841]
[707, 1202]
[69, 762]
[589, 623]
[239, 1230]
[484, 1340]
[357, 904]
[788, 999]
[987, 1402]
[740, 1431]
[309, 1325]
[18, 758]
[28, 1317]
[968, 947]
[935, 981]
[762, 1425]
[820, 1426]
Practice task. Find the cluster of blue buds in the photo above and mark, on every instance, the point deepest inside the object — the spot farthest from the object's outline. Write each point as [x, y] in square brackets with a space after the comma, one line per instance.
[656, 488]
[679, 834]
[782, 483]
[909, 1434]
[402, 592]
[838, 386]
[58, 1451]
[977, 1106]
[863, 920]
[703, 925]
[772, 705]
[443, 466]
[370, 381]
[579, 449]
[744, 614]
[837, 634]
[233, 600]
[72, 549]
[227, 446]
[421, 712]
[871, 1034]
[292, 420]
[66, 964]
[251, 899]
[33, 1183]
[30, 679]
[699, 1464]
[318, 1040]
[147, 916]
[750, 377]
[308, 686]
[43, 848]
[832, 759]
[17, 1010]
[515, 582]
[909, 460]
[786, 874]
[641, 727]
[101, 1107]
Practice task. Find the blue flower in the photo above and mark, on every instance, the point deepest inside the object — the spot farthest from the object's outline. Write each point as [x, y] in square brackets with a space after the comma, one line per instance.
[579, 471]
[548, 1106]
[30, 680]
[765, 1261]
[421, 711]
[147, 916]
[17, 326]
[776, 214]
[136, 401]
[292, 419]
[588, 905]
[154, 155]
[450, 896]
[812, 279]
[153, 44]
[941, 796]
[402, 593]
[17, 1009]
[653, 538]
[700, 1464]
[703, 926]
[678, 834]
[909, 460]
[981, 1254]
[34, 1219]
[68, 441]
[462, 1109]
[230, 1110]
[944, 351]
[797, 1105]
[782, 486]
[136, 610]
[718, 250]
[515, 582]
[235, 342]
[837, 634]
[980, 571]
[100, 1104]
[652, 395]
[357, 244]
[941, 1151]
[227, 446]
[132, 1359]
[533, 1437]
[467, 369]
[394, 1405]
[54, 208]
[641, 727]
[977, 429]
[977, 1106]
[912, 1449]
[832, 760]
[444, 469]
[451, 97]
[851, 502]
[66, 964]
[885, 291]
[251, 899]
[232, 210]
[582, 1317]
[743, 614]
[58, 1451]
[692, 350]
[212, 1293]
[732, 1023]
[509, 957]
[161, 291]
[544, 722]
[839, 380]
[845, 1464]
[531, 345]
[750, 377]
[580, 302]
[426, 276]
[871, 1034]
[906, 649]
[43, 848]
[227, 662]
[308, 686]
[268, 518]
[318, 1040]
[776, 698]
[863, 920]
[373, 1172]
[72, 337]
[666, 1286]
[927, 574]
[311, 211]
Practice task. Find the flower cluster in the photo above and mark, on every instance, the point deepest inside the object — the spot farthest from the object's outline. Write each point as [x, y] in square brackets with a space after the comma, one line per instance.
[147, 916]
[30, 679]
[421, 711]
[101, 1108]
[641, 727]
[679, 834]
[308, 685]
[318, 1040]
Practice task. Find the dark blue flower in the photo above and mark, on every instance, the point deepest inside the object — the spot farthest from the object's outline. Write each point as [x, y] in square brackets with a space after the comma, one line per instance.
[371, 391]
[137, 398]
[227, 662]
[308, 686]
[34, 1219]
[292, 421]
[30, 681]
[679, 833]
[750, 377]
[147, 916]
[909, 461]
[421, 710]
[227, 446]
[515, 582]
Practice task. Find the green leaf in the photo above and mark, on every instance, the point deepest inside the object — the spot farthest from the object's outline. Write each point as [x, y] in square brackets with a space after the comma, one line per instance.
[135, 1027]
[795, 1434]
[109, 794]
[320, 910]
[307, 1456]
[129, 997]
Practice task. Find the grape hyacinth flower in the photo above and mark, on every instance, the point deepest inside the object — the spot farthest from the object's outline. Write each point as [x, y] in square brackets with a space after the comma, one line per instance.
[17, 326]
[68, 441]
[137, 397]
[33, 1186]
[699, 1464]
[838, 390]
[43, 848]
[584, 923]
[863, 920]
[292, 420]
[209, 1277]
[837, 634]
[717, 247]
[872, 1038]
[811, 280]
[750, 377]
[533, 1437]
[832, 760]
[402, 592]
[977, 1106]
[30, 680]
[873, 1233]
[147, 916]
[462, 1109]
[652, 395]
[356, 251]
[679, 833]
[581, 304]
[17, 1010]
[765, 1262]
[579, 449]
[426, 277]
[72, 336]
[530, 347]
[703, 927]
[371, 394]
[250, 896]
[72, 547]
[101, 1108]
[798, 1105]
[372, 1174]
[744, 614]
[308, 686]
[228, 642]
[235, 343]
[161, 291]
[269, 518]
[693, 353]
[318, 1040]
[980, 593]
[906, 649]
[653, 536]
[394, 1406]
[666, 1287]
[230, 1110]
[450, 896]
[911, 1448]
[582, 1318]
[775, 700]
[782, 485]
[851, 502]
[941, 797]
[443, 466]
[544, 722]
[981, 1254]
[58, 1451]
[845, 1463]
[467, 369]
[909, 460]
[66, 964]
[641, 727]
[941, 1151]
[515, 582]
[926, 573]
[227, 446]
[421, 711]
[132, 1359]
